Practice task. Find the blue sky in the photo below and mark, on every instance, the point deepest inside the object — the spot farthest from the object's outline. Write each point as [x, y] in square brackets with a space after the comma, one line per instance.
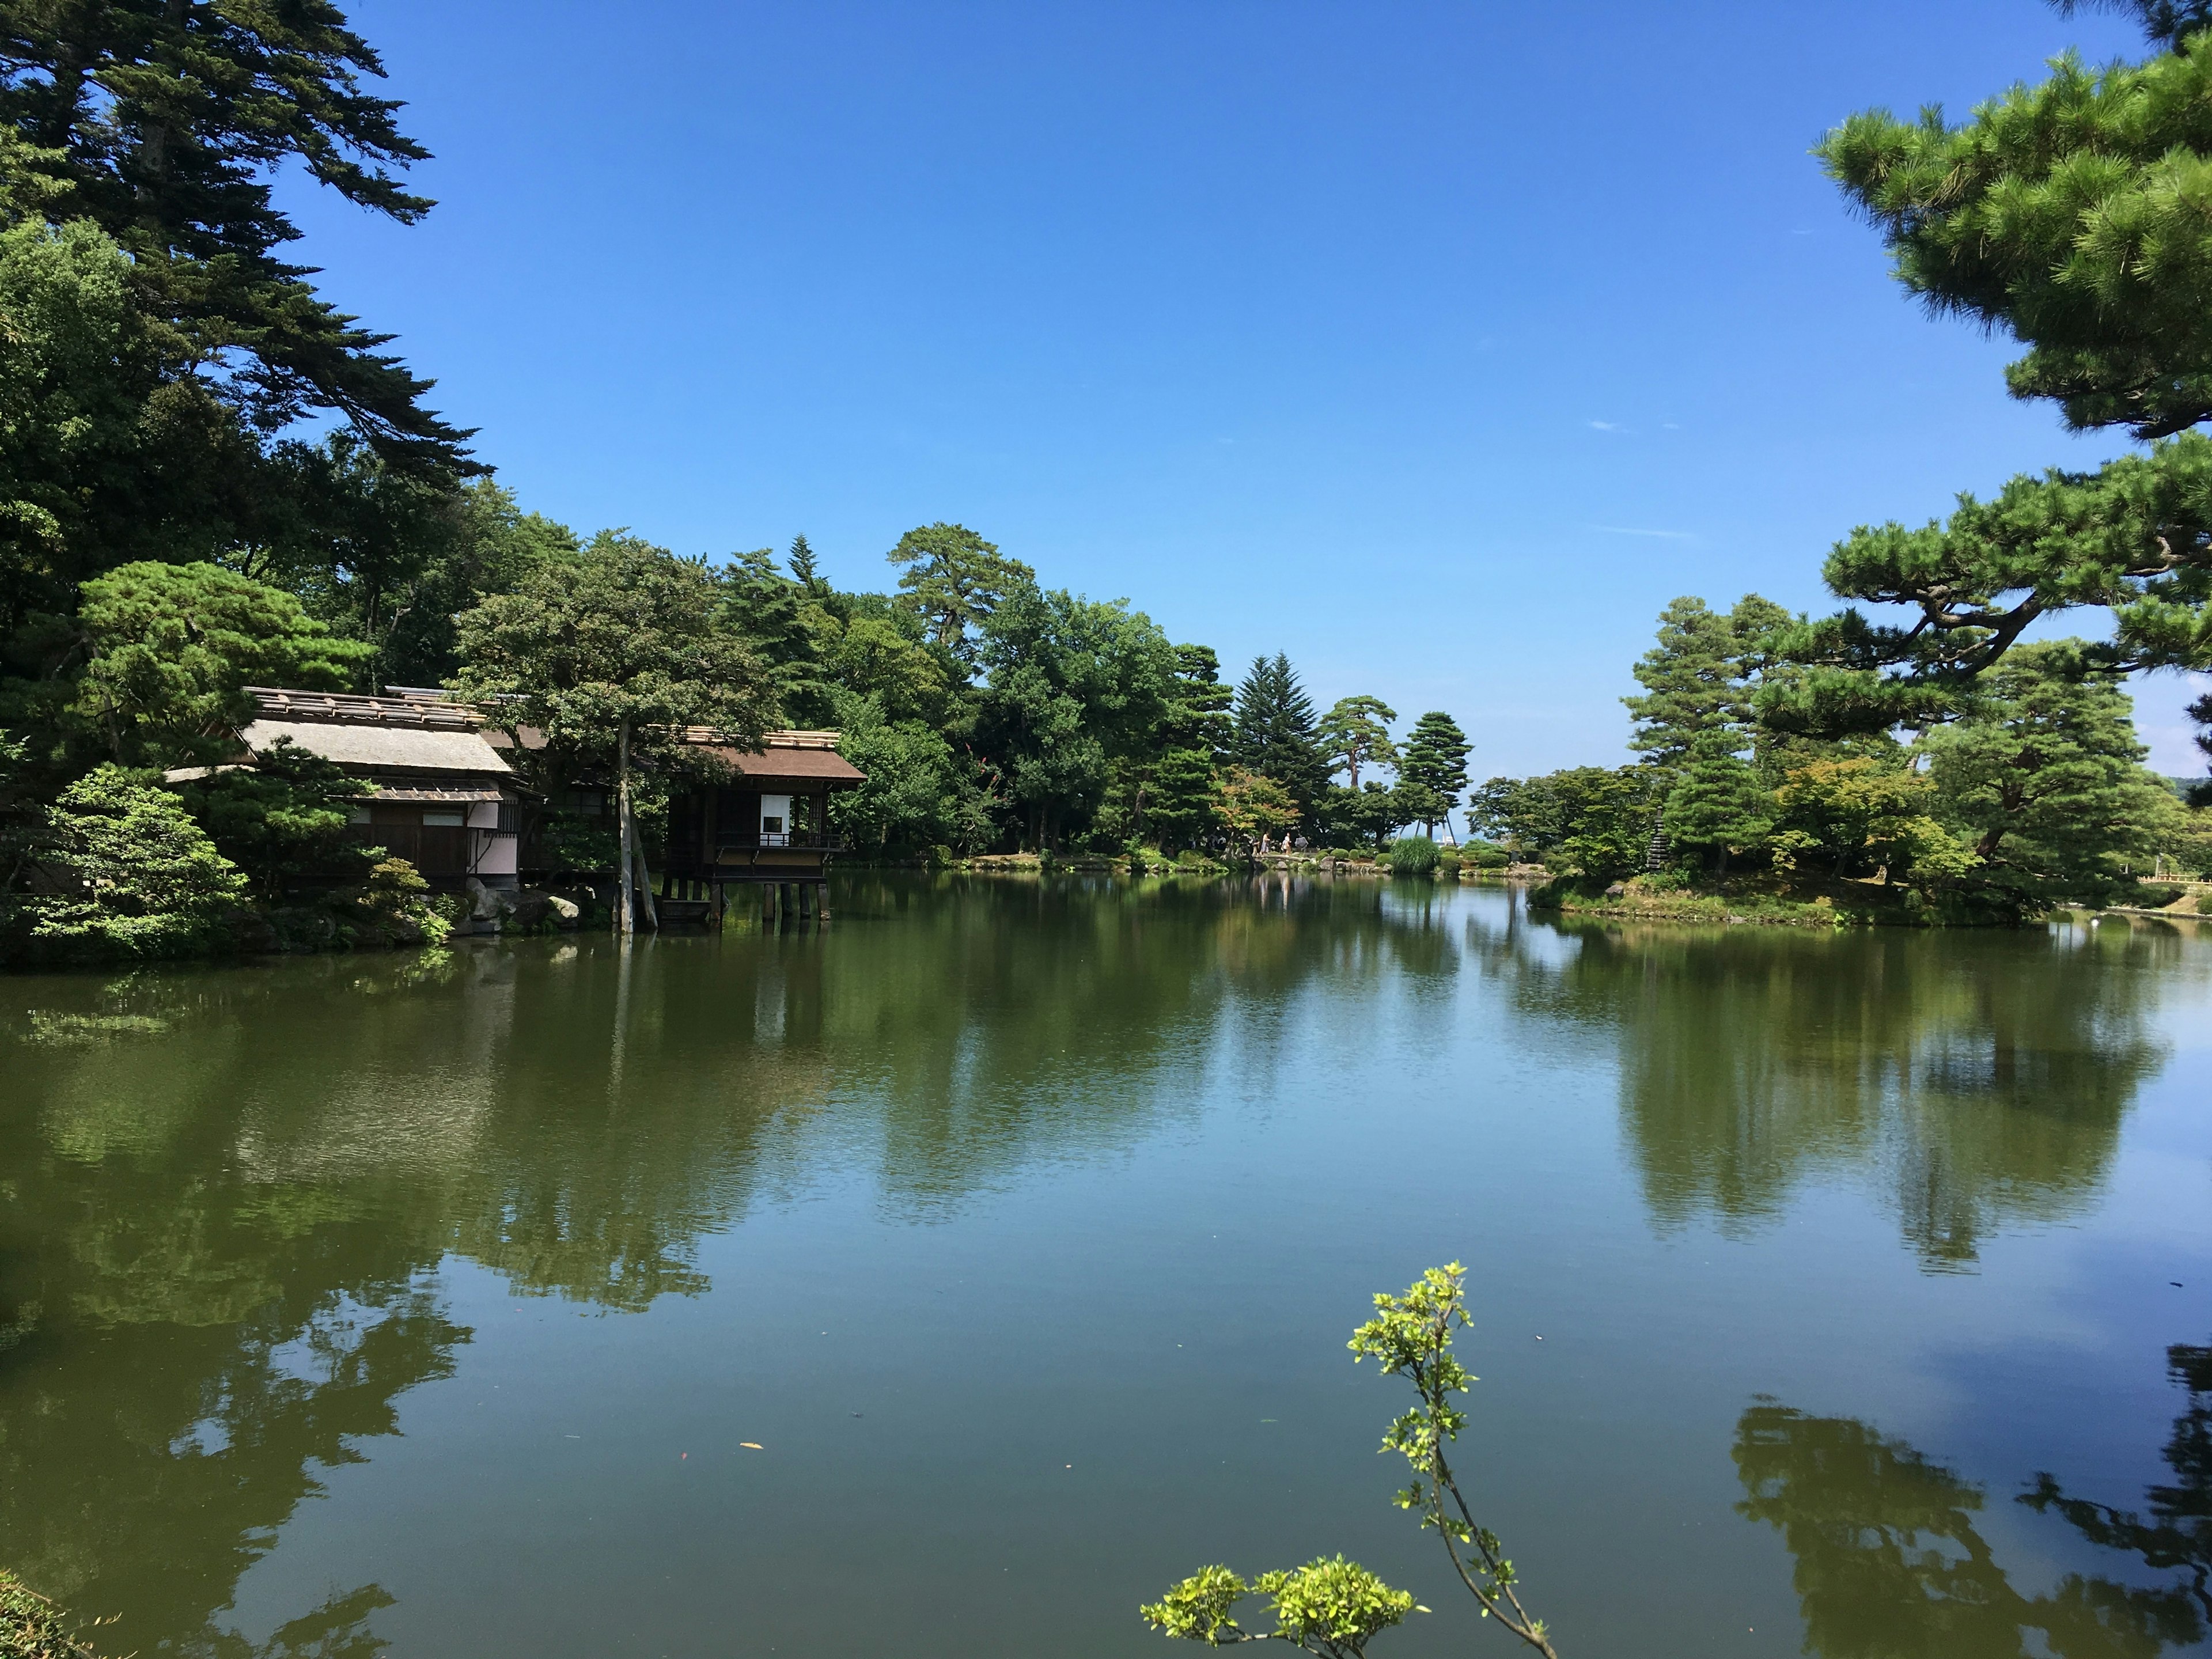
[1438, 345]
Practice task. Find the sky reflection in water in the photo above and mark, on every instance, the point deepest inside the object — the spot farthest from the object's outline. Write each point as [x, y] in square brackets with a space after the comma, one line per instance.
[1022, 1227]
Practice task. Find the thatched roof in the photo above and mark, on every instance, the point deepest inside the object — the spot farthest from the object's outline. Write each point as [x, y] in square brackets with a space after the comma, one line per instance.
[374, 734]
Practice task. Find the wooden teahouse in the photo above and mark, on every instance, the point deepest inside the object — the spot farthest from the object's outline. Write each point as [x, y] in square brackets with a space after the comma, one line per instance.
[765, 826]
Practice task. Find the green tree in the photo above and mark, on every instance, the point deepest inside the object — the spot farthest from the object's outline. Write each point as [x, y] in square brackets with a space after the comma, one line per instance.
[2045, 781]
[1865, 814]
[2064, 213]
[142, 878]
[1251, 807]
[1436, 758]
[2134, 537]
[1275, 732]
[1180, 786]
[767, 609]
[1699, 678]
[284, 816]
[169, 650]
[168, 126]
[912, 792]
[110, 450]
[1719, 806]
[954, 580]
[803, 568]
[1072, 685]
[1356, 732]
[612, 656]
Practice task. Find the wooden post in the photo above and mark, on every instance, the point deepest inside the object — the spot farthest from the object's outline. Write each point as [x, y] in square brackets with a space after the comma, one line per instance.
[822, 901]
[768, 904]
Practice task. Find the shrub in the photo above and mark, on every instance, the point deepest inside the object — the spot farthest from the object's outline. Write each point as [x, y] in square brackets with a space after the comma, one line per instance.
[148, 880]
[1413, 856]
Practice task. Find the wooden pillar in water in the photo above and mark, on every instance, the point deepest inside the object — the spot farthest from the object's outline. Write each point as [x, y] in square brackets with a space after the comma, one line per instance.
[822, 901]
[768, 904]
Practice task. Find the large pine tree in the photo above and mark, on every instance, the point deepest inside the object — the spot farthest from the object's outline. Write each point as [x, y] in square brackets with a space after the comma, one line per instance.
[166, 122]
[1276, 733]
[1435, 759]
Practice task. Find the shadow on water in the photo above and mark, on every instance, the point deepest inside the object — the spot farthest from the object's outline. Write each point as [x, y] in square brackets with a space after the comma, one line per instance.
[1980, 1081]
[225, 1195]
[1889, 1559]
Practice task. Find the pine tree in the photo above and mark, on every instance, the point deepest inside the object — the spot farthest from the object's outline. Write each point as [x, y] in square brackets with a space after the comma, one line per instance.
[2045, 781]
[168, 126]
[1718, 805]
[1698, 679]
[1435, 757]
[1356, 732]
[954, 580]
[803, 569]
[1178, 801]
[1276, 733]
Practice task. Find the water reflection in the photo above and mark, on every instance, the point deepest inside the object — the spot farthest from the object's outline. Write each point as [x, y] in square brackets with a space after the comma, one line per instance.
[225, 1197]
[1981, 1081]
[1889, 1559]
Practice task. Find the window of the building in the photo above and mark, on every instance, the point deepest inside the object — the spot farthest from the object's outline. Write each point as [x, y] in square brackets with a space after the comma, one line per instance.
[443, 818]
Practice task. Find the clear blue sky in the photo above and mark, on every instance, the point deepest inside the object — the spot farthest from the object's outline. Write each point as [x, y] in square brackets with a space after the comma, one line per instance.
[1438, 345]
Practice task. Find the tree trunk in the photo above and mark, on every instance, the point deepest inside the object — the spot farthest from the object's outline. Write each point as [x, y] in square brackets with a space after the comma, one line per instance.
[625, 918]
[645, 883]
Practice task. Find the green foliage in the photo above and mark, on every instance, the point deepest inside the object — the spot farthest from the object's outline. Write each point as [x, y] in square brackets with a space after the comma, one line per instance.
[1594, 819]
[769, 611]
[170, 649]
[1697, 680]
[1329, 1606]
[2134, 537]
[917, 793]
[1411, 1337]
[621, 638]
[109, 452]
[953, 579]
[1356, 732]
[1718, 805]
[1865, 814]
[32, 1627]
[1334, 1607]
[135, 875]
[168, 126]
[1275, 732]
[2045, 781]
[1435, 759]
[1071, 685]
[1251, 805]
[1415, 857]
[2068, 213]
[283, 817]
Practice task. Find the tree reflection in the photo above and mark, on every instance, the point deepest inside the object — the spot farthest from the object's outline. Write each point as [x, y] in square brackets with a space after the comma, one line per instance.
[1986, 1077]
[2177, 1535]
[224, 1196]
[1889, 1560]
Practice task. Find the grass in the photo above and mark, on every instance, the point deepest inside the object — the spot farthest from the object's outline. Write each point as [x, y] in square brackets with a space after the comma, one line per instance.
[32, 1627]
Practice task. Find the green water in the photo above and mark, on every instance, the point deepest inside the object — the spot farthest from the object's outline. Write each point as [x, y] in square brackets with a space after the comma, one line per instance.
[429, 1301]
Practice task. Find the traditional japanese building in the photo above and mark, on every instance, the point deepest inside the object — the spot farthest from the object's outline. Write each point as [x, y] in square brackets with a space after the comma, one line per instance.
[441, 797]
[767, 823]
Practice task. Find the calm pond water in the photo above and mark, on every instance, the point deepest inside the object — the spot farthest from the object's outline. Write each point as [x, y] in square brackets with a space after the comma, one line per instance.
[434, 1302]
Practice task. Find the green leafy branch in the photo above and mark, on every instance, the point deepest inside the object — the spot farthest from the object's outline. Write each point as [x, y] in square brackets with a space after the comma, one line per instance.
[1335, 1607]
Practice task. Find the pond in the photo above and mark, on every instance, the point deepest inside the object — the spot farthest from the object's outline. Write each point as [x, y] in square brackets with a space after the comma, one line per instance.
[954, 1280]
